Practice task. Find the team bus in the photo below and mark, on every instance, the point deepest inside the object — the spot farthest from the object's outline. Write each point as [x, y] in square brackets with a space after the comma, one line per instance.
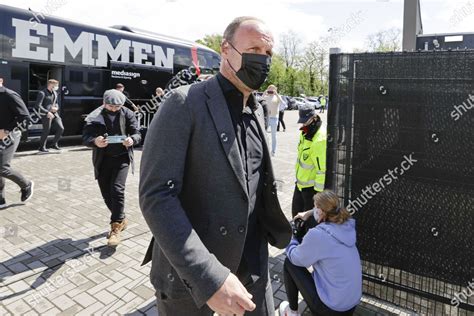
[88, 60]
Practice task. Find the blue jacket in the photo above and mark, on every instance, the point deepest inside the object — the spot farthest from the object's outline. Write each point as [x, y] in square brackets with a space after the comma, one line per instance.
[331, 250]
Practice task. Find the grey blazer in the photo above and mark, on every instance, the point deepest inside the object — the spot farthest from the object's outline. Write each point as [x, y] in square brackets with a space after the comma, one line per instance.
[45, 100]
[193, 194]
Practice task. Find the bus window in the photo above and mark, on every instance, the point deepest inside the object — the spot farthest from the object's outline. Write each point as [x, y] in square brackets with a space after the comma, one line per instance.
[86, 82]
[76, 76]
[209, 61]
[182, 58]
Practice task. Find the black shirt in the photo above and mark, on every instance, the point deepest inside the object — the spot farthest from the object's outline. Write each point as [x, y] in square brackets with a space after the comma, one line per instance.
[250, 144]
[13, 111]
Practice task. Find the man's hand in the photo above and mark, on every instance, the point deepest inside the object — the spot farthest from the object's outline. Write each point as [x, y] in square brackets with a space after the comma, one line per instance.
[3, 134]
[50, 115]
[304, 215]
[232, 298]
[54, 109]
[101, 142]
[128, 142]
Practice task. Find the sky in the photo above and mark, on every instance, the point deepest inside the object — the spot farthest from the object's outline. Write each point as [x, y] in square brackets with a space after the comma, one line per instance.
[309, 19]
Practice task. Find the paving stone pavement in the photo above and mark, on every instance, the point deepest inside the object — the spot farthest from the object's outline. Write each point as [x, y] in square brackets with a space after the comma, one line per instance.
[53, 254]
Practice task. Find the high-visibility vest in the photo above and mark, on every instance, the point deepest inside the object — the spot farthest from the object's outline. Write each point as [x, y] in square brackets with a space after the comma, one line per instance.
[311, 162]
[323, 101]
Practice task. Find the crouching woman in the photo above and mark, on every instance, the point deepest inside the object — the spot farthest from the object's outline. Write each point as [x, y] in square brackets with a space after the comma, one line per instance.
[335, 285]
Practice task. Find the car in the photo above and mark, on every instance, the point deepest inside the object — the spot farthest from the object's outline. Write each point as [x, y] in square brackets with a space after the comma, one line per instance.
[313, 101]
[299, 102]
[291, 103]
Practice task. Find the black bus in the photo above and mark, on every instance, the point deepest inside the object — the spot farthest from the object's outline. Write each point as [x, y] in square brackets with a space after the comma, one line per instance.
[88, 60]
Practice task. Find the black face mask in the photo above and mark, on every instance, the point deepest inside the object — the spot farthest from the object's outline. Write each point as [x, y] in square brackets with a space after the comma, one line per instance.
[310, 130]
[111, 112]
[254, 70]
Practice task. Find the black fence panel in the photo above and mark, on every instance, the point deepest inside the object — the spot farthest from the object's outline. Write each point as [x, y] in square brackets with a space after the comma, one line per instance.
[401, 157]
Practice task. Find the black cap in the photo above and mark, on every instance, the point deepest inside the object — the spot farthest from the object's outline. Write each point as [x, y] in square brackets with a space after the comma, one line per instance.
[306, 113]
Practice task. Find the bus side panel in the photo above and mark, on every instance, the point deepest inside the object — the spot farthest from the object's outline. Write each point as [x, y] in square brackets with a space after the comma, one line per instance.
[3, 38]
[15, 77]
[82, 92]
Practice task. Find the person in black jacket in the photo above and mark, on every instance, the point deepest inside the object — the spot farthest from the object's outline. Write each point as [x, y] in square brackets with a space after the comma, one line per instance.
[14, 118]
[47, 106]
[112, 131]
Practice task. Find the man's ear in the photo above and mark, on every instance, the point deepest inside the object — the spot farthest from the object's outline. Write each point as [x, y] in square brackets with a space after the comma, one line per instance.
[224, 47]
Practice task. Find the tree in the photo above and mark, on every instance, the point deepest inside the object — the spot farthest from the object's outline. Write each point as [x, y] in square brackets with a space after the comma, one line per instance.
[290, 48]
[385, 41]
[315, 63]
[213, 41]
[295, 69]
[277, 75]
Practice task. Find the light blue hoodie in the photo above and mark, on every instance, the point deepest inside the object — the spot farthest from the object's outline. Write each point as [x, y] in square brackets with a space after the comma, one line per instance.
[331, 249]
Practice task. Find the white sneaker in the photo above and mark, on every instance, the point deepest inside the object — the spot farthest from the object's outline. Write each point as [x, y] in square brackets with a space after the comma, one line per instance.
[285, 310]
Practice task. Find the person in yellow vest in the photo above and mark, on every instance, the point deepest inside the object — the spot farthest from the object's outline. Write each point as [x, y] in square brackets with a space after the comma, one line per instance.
[311, 162]
[323, 102]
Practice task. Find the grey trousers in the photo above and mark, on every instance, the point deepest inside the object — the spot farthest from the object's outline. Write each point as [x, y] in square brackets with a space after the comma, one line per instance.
[262, 297]
[57, 124]
[6, 156]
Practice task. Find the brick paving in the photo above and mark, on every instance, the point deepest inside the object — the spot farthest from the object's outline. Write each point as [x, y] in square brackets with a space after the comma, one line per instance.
[53, 254]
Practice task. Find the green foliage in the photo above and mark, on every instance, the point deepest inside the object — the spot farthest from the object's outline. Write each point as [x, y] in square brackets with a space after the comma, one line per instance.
[299, 70]
[385, 41]
[294, 70]
[213, 41]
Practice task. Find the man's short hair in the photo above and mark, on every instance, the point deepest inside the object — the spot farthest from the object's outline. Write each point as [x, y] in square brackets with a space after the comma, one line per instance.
[53, 81]
[119, 86]
[235, 24]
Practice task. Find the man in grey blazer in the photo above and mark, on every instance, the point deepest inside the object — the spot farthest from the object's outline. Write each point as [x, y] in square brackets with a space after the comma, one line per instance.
[207, 188]
[47, 106]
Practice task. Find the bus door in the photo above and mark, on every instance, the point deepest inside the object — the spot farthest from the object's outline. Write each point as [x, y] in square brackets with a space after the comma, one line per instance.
[39, 74]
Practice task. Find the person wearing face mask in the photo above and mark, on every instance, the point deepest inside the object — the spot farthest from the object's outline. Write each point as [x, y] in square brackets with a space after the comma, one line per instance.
[47, 105]
[112, 131]
[311, 162]
[207, 188]
[335, 285]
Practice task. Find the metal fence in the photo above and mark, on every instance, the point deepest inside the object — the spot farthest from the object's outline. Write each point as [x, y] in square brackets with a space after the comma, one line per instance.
[401, 156]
